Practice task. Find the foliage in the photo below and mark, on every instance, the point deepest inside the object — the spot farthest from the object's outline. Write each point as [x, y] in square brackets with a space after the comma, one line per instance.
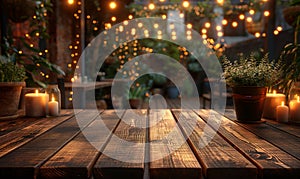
[290, 55]
[10, 72]
[251, 71]
[138, 92]
[34, 59]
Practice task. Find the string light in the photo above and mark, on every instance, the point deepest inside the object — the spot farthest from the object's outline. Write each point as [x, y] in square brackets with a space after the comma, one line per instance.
[234, 24]
[185, 4]
[207, 25]
[112, 5]
[266, 13]
[151, 6]
[70, 2]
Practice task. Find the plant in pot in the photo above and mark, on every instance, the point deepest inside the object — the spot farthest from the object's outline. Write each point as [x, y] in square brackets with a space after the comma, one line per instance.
[249, 78]
[136, 95]
[12, 80]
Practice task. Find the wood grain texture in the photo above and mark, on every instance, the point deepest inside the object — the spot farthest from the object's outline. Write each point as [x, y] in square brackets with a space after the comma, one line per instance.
[271, 161]
[217, 157]
[278, 137]
[28, 130]
[167, 144]
[123, 157]
[25, 161]
[77, 158]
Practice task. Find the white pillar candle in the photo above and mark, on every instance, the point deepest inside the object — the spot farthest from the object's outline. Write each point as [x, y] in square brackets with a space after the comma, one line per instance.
[53, 107]
[295, 110]
[271, 102]
[282, 113]
[36, 104]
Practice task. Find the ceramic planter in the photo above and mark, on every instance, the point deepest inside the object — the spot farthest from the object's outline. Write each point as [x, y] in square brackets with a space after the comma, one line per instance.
[249, 103]
[10, 97]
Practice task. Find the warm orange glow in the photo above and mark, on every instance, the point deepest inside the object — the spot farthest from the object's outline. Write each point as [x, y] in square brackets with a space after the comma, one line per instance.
[52, 99]
[298, 98]
[249, 19]
[282, 103]
[221, 2]
[274, 92]
[279, 28]
[71, 2]
[276, 32]
[151, 6]
[189, 26]
[207, 25]
[36, 91]
[242, 16]
[113, 5]
[252, 12]
[113, 19]
[130, 17]
[266, 13]
[234, 24]
[204, 31]
[257, 34]
[185, 4]
[224, 22]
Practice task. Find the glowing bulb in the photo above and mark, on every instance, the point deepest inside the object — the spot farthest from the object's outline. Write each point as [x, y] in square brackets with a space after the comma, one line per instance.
[189, 26]
[204, 31]
[257, 34]
[276, 32]
[224, 22]
[266, 13]
[218, 28]
[151, 6]
[113, 19]
[234, 24]
[220, 1]
[207, 25]
[279, 28]
[185, 4]
[249, 19]
[242, 16]
[71, 1]
[164, 16]
[130, 17]
[113, 5]
[251, 12]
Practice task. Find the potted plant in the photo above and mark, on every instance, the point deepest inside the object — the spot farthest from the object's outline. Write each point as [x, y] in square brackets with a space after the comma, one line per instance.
[136, 95]
[12, 79]
[249, 78]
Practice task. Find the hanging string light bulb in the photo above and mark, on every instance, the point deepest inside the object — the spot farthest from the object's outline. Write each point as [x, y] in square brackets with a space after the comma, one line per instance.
[186, 4]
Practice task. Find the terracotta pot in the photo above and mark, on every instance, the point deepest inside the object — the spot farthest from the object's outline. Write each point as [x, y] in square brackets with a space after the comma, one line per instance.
[135, 103]
[10, 97]
[249, 103]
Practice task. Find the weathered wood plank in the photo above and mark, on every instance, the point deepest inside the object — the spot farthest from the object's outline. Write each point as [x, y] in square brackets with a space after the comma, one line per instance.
[25, 161]
[170, 154]
[27, 131]
[217, 157]
[123, 156]
[77, 158]
[283, 140]
[293, 129]
[271, 161]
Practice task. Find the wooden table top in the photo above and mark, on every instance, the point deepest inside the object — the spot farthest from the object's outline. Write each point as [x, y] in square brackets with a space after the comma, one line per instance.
[55, 147]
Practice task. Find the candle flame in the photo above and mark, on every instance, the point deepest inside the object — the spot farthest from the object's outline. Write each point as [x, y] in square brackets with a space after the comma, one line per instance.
[52, 99]
[282, 103]
[36, 91]
[274, 92]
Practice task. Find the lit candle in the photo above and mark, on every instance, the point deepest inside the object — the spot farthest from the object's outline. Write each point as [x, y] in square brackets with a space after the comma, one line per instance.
[36, 104]
[271, 102]
[295, 110]
[282, 113]
[53, 107]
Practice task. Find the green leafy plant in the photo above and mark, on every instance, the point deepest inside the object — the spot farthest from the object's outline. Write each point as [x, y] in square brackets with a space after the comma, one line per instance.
[251, 71]
[290, 55]
[10, 72]
[138, 92]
